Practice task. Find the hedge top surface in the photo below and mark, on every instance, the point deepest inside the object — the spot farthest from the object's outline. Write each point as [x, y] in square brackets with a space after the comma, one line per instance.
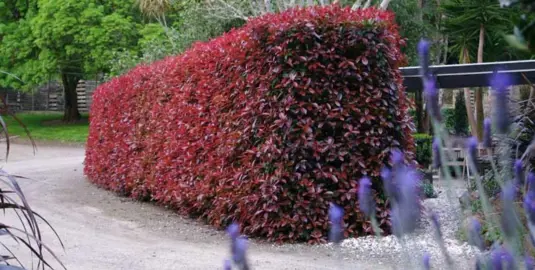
[263, 126]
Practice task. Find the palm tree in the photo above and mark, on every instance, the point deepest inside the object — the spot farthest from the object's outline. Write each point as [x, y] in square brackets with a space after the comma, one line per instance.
[474, 28]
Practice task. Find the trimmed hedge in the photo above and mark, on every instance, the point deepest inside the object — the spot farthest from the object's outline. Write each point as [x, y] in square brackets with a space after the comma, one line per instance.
[424, 154]
[264, 125]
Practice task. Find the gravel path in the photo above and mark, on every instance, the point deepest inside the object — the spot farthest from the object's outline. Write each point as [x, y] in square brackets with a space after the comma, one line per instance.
[103, 231]
[423, 240]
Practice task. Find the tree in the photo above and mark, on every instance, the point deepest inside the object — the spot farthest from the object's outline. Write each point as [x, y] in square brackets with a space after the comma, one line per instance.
[474, 28]
[64, 39]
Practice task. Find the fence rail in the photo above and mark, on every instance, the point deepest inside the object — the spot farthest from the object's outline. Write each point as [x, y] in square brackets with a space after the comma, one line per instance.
[48, 97]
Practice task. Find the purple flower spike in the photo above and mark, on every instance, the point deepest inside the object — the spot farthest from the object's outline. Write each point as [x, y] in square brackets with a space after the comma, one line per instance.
[500, 82]
[471, 148]
[389, 186]
[519, 171]
[227, 265]
[397, 157]
[474, 234]
[487, 133]
[366, 203]
[426, 261]
[431, 97]
[436, 154]
[336, 215]
[531, 182]
[239, 255]
[406, 210]
[501, 259]
[423, 54]
[233, 231]
[529, 204]
[530, 263]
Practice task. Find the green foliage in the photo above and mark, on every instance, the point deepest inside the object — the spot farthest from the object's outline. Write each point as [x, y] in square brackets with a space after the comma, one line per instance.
[429, 190]
[460, 118]
[76, 37]
[409, 27]
[423, 149]
[463, 19]
[448, 115]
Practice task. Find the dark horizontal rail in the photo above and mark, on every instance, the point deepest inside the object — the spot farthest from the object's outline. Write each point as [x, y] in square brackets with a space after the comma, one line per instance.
[470, 75]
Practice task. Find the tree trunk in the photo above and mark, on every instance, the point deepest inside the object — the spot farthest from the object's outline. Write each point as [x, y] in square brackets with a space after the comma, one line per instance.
[421, 117]
[70, 81]
[465, 58]
[480, 114]
[419, 102]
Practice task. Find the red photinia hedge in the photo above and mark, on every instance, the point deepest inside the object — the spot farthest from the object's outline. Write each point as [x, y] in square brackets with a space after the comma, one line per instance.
[264, 125]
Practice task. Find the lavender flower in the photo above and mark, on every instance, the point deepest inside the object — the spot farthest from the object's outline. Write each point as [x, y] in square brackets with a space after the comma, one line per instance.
[239, 255]
[487, 133]
[366, 203]
[233, 231]
[397, 157]
[426, 261]
[388, 183]
[406, 210]
[500, 82]
[336, 215]
[471, 148]
[227, 265]
[530, 263]
[501, 259]
[423, 54]
[431, 98]
[529, 199]
[474, 234]
[519, 171]
[531, 182]
[508, 219]
[436, 153]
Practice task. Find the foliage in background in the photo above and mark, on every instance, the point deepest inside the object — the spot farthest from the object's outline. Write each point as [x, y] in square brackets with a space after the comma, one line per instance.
[449, 118]
[460, 119]
[252, 131]
[63, 39]
[523, 34]
[423, 144]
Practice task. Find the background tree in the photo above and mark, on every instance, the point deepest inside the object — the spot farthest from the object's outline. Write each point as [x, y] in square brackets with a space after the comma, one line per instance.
[64, 39]
[475, 29]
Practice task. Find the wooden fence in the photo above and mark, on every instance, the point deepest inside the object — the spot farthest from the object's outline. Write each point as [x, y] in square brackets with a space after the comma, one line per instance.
[48, 97]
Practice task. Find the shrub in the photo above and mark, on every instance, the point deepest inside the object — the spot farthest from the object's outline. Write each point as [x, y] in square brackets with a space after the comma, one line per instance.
[460, 118]
[449, 119]
[263, 126]
[424, 153]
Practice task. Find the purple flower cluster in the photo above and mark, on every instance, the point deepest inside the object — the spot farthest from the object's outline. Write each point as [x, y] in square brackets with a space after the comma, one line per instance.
[430, 90]
[336, 216]
[402, 186]
[499, 83]
[366, 202]
[529, 199]
[238, 248]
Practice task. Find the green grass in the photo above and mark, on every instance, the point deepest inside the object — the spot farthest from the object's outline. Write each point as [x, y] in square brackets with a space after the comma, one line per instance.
[47, 126]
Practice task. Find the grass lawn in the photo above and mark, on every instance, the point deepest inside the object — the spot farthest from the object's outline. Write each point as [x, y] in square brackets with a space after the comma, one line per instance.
[47, 126]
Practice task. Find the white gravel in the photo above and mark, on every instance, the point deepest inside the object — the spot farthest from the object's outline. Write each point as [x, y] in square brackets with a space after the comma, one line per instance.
[423, 240]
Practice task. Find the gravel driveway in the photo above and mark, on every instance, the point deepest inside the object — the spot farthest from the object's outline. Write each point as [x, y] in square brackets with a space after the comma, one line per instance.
[103, 231]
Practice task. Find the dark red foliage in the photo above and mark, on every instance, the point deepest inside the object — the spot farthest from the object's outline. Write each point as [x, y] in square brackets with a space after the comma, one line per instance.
[264, 125]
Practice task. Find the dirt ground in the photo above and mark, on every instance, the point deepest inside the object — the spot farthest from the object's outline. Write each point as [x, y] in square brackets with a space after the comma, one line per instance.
[103, 231]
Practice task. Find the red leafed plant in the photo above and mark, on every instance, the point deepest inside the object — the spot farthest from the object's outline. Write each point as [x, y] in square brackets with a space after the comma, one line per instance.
[263, 126]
